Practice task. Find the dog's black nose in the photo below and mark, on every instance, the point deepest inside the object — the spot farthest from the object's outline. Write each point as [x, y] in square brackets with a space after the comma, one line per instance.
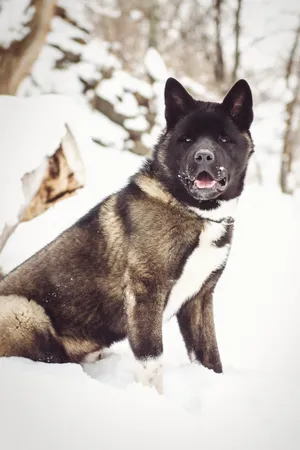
[204, 156]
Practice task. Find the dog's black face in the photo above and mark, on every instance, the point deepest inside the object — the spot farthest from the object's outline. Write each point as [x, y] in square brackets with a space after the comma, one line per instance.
[206, 147]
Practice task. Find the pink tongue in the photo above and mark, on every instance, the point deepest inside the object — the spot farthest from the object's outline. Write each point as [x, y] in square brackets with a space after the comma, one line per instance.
[205, 183]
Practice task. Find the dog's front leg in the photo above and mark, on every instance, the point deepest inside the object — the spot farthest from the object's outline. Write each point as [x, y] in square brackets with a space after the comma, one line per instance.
[197, 327]
[144, 321]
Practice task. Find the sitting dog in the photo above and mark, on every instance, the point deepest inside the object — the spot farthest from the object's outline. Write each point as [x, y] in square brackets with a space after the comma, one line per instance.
[153, 250]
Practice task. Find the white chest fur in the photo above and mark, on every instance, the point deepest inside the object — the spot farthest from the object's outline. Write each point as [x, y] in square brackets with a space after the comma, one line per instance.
[204, 259]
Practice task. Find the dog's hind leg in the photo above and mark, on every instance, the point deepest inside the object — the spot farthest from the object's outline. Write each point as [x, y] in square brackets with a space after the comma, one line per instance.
[27, 331]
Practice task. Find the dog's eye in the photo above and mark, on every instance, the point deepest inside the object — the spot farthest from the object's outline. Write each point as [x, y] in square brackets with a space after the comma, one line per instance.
[223, 139]
[186, 139]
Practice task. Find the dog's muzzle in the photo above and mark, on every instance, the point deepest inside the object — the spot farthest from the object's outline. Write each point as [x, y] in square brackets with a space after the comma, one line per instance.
[203, 177]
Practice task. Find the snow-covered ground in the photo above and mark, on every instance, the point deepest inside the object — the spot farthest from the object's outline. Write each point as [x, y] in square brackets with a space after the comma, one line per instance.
[254, 405]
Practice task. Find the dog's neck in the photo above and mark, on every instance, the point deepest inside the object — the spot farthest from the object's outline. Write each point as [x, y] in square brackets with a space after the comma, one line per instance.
[224, 213]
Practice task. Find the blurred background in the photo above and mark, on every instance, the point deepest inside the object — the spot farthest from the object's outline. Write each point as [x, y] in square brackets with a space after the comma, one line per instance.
[114, 55]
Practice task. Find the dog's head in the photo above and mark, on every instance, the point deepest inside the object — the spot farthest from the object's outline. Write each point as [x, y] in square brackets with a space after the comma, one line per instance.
[204, 152]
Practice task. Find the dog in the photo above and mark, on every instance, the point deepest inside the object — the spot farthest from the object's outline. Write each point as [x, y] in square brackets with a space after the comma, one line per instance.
[153, 250]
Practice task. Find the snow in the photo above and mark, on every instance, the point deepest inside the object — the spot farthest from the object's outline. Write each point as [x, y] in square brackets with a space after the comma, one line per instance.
[197, 89]
[128, 105]
[98, 162]
[14, 16]
[83, 413]
[110, 11]
[97, 52]
[103, 130]
[133, 84]
[255, 404]
[87, 71]
[65, 82]
[109, 90]
[75, 62]
[266, 44]
[136, 14]
[150, 139]
[31, 130]
[155, 65]
[119, 91]
[136, 124]
[77, 12]
[62, 35]
[41, 73]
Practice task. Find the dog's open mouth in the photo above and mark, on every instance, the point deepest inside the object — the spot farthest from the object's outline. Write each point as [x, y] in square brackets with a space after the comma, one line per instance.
[205, 180]
[206, 184]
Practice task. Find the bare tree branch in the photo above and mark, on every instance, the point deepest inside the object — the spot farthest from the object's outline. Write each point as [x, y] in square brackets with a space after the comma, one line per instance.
[291, 60]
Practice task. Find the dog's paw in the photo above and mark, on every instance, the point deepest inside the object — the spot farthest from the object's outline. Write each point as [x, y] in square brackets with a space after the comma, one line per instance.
[211, 361]
[150, 373]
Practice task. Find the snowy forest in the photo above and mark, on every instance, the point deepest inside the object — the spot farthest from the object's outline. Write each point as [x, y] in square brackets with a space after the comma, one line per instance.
[81, 107]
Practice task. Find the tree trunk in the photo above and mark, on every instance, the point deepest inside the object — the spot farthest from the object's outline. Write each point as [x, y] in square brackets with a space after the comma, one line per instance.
[219, 62]
[288, 145]
[290, 108]
[17, 60]
[237, 33]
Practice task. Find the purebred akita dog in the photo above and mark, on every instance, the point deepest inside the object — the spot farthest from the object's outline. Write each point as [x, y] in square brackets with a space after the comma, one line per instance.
[153, 250]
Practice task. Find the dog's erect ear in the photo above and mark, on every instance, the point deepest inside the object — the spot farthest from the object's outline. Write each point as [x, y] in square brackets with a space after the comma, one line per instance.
[238, 104]
[178, 102]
